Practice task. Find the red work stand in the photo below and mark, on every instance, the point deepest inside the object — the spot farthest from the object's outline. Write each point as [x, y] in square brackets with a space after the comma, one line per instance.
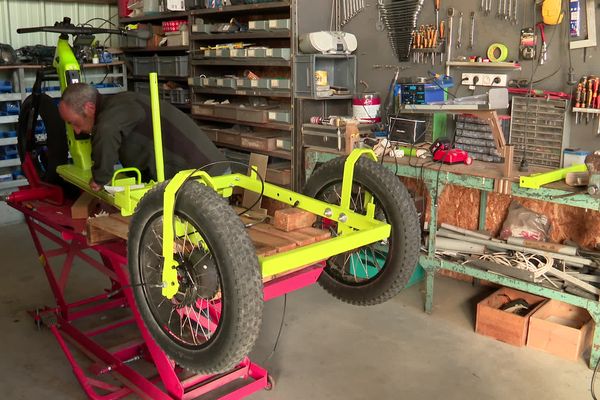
[167, 380]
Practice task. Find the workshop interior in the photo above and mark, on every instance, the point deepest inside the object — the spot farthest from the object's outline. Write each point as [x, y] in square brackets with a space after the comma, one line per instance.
[375, 152]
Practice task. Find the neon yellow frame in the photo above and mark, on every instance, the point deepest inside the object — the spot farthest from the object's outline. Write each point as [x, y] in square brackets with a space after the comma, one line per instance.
[354, 230]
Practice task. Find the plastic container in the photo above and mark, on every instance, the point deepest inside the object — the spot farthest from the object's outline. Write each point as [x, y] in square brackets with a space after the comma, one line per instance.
[284, 53]
[6, 86]
[281, 84]
[341, 71]
[150, 6]
[145, 65]
[173, 66]
[180, 96]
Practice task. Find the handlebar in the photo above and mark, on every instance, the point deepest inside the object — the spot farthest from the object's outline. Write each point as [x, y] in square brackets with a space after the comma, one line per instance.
[66, 27]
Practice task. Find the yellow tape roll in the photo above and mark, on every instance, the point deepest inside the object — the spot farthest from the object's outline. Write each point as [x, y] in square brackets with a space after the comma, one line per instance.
[491, 52]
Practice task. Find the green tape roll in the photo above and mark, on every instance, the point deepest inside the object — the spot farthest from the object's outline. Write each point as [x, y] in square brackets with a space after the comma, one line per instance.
[491, 52]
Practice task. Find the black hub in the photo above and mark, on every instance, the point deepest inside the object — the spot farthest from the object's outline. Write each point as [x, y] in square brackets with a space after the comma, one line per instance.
[198, 278]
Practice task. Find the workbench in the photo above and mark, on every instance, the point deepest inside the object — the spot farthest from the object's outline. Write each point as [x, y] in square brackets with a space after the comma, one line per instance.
[482, 177]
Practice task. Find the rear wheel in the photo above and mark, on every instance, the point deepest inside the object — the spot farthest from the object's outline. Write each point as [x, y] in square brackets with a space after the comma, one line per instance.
[212, 323]
[371, 274]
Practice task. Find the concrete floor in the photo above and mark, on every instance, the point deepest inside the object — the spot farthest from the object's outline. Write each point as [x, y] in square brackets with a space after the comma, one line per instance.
[328, 350]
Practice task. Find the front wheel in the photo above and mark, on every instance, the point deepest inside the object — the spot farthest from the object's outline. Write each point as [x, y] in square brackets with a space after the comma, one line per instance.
[213, 321]
[374, 273]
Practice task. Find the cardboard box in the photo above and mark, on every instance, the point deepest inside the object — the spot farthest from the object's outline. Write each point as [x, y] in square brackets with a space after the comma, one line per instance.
[561, 329]
[502, 325]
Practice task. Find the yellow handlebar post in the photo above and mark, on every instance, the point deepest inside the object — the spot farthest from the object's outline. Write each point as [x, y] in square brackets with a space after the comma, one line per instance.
[158, 147]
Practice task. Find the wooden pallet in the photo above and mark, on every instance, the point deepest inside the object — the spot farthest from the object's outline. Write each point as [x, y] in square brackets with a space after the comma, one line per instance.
[267, 239]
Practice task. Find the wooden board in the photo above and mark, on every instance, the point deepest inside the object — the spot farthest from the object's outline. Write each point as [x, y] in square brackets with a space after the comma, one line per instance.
[105, 228]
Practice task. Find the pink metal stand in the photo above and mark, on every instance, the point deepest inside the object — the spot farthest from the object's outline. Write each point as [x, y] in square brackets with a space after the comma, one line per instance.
[167, 381]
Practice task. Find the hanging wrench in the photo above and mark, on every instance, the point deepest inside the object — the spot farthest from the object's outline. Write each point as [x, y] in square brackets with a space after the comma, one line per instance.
[515, 16]
[472, 31]
[459, 34]
[379, 25]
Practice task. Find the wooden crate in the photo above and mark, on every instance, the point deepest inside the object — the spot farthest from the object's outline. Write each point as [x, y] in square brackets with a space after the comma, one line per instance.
[501, 325]
[561, 329]
[280, 177]
[229, 138]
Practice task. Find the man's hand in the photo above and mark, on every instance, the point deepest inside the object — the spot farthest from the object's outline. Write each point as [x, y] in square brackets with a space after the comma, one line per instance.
[95, 186]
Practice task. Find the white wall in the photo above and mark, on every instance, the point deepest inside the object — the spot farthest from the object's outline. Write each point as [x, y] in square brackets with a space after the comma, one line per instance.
[28, 13]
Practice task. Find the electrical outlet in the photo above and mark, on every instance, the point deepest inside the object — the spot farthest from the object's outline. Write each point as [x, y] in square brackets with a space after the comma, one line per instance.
[476, 79]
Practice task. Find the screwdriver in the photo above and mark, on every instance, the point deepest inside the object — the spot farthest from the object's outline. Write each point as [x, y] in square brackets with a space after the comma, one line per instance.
[436, 4]
[442, 32]
[578, 100]
[589, 98]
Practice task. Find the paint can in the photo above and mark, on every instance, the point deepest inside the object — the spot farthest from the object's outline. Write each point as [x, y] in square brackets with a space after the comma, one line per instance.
[366, 108]
[321, 78]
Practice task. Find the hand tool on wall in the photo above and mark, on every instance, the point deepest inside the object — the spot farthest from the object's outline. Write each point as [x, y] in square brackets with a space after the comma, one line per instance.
[379, 25]
[578, 95]
[544, 51]
[449, 39]
[459, 33]
[436, 5]
[472, 31]
[514, 18]
[590, 96]
[442, 35]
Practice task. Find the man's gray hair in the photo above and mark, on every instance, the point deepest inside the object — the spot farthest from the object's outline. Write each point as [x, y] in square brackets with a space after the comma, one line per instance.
[78, 94]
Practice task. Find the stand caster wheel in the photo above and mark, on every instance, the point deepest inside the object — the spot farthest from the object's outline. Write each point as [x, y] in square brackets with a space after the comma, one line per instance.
[37, 320]
[270, 383]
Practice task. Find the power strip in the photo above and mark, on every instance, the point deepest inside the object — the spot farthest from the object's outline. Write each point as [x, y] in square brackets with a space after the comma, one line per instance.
[470, 79]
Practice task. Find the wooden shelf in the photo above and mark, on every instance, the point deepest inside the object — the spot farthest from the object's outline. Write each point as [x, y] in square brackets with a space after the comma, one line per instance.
[246, 9]
[155, 17]
[160, 78]
[286, 155]
[244, 92]
[165, 49]
[267, 125]
[491, 65]
[282, 34]
[254, 61]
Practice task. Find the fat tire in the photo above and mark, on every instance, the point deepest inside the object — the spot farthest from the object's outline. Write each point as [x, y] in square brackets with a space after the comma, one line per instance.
[401, 214]
[56, 141]
[239, 271]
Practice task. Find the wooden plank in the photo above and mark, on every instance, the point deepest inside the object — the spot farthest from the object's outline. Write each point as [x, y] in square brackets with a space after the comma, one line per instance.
[105, 228]
[261, 239]
[83, 206]
[319, 234]
[297, 237]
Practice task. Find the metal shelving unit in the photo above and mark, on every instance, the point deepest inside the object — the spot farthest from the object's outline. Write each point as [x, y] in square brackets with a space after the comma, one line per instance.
[264, 67]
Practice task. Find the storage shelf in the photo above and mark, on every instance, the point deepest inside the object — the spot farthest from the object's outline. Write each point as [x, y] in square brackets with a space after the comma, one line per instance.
[286, 155]
[255, 61]
[13, 184]
[268, 125]
[13, 162]
[55, 94]
[10, 96]
[9, 119]
[160, 78]
[8, 141]
[491, 65]
[155, 17]
[244, 92]
[165, 49]
[334, 97]
[586, 110]
[282, 34]
[246, 8]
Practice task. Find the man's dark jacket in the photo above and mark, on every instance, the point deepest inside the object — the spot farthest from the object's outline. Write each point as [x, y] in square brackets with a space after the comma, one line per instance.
[123, 132]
